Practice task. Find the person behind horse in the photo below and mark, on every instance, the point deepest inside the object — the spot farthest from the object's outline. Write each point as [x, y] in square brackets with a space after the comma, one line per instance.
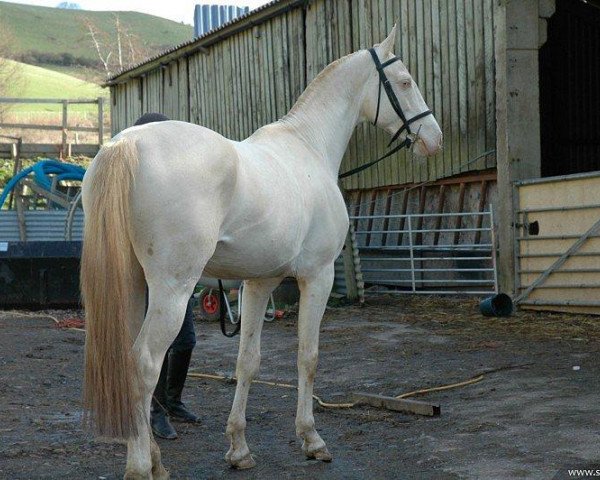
[166, 401]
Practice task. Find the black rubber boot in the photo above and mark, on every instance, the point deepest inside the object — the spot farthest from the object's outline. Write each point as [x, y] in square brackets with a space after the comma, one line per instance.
[161, 427]
[179, 362]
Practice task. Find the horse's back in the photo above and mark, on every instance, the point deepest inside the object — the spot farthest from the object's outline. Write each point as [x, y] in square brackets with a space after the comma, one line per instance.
[173, 147]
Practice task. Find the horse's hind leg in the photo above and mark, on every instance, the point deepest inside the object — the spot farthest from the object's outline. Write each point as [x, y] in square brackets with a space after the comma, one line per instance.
[140, 301]
[158, 471]
[314, 293]
[166, 309]
[255, 298]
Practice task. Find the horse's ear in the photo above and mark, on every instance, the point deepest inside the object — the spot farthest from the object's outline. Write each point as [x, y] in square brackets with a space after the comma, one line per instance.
[387, 46]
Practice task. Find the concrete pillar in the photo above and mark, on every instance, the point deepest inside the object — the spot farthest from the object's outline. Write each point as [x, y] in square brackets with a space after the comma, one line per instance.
[519, 35]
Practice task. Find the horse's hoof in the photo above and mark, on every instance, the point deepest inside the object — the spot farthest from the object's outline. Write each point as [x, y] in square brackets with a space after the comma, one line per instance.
[320, 454]
[129, 475]
[160, 473]
[241, 464]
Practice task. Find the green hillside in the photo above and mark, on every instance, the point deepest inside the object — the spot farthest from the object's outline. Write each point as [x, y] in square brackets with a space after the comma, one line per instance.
[37, 82]
[56, 31]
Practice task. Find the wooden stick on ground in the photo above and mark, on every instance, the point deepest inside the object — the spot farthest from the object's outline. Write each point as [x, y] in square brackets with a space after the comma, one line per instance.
[397, 404]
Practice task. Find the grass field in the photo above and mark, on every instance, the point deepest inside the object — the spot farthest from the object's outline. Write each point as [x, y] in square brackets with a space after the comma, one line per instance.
[37, 82]
[91, 75]
[53, 30]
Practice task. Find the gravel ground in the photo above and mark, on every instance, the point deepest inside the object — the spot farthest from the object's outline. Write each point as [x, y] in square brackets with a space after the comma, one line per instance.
[528, 421]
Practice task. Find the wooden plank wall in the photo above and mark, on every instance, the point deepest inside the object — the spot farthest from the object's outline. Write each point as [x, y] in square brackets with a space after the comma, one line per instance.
[254, 77]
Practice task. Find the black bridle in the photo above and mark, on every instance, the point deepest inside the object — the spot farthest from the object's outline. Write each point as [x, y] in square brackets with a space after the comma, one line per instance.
[385, 83]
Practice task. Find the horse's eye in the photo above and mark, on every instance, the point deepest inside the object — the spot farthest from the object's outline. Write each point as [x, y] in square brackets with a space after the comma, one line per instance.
[405, 84]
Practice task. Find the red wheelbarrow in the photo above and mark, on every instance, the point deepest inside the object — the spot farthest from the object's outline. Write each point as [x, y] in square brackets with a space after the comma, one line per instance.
[210, 303]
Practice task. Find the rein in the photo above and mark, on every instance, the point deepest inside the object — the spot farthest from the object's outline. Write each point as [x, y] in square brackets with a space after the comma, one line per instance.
[222, 309]
[385, 83]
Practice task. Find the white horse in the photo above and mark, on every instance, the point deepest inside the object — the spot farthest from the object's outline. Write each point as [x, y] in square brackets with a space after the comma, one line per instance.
[167, 202]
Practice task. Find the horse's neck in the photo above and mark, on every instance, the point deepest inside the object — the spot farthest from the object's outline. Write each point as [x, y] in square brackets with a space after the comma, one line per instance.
[327, 113]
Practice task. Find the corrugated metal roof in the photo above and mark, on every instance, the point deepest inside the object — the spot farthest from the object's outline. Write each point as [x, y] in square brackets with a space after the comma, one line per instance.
[41, 225]
[246, 18]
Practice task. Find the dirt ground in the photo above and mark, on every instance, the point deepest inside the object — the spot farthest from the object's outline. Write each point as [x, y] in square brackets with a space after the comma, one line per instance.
[525, 422]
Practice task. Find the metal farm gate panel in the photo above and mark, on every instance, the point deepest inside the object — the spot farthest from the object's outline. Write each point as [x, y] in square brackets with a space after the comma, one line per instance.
[435, 238]
[557, 243]
[418, 264]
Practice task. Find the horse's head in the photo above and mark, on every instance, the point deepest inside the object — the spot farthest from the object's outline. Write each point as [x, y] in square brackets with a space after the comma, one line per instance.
[398, 107]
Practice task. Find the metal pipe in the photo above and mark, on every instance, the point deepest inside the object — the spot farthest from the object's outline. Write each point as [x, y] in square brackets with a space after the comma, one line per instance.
[432, 247]
[430, 292]
[462, 214]
[566, 285]
[565, 303]
[446, 280]
[427, 270]
[577, 176]
[412, 257]
[420, 259]
[431, 230]
[556, 237]
[493, 238]
[71, 215]
[559, 209]
[544, 255]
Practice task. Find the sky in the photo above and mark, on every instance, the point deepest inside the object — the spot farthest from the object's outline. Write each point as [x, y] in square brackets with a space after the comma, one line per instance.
[177, 10]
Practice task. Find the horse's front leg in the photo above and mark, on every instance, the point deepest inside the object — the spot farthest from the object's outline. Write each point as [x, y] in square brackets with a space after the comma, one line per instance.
[254, 300]
[314, 293]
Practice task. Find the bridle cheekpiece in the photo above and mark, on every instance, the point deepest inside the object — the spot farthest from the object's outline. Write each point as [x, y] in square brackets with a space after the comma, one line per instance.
[411, 137]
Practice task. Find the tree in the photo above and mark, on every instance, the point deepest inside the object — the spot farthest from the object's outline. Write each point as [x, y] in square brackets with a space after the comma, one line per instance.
[118, 49]
[11, 76]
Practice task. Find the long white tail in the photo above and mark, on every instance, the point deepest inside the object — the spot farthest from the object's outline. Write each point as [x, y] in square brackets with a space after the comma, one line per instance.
[111, 384]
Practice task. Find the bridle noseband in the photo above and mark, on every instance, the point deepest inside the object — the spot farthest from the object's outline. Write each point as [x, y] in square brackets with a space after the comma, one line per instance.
[385, 83]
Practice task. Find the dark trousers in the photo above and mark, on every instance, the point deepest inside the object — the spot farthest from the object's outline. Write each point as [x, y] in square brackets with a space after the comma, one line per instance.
[186, 338]
[167, 394]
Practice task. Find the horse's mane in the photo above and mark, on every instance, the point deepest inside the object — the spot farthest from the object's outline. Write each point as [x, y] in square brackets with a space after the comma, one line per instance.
[316, 83]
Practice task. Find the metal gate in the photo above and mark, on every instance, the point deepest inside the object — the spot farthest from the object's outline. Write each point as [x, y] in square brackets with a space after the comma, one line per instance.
[557, 243]
[418, 253]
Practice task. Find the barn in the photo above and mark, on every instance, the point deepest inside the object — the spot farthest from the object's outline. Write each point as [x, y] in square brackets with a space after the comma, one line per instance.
[511, 203]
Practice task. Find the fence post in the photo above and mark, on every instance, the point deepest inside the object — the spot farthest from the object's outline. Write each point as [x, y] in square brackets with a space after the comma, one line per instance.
[65, 108]
[349, 268]
[493, 238]
[100, 120]
[16, 153]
